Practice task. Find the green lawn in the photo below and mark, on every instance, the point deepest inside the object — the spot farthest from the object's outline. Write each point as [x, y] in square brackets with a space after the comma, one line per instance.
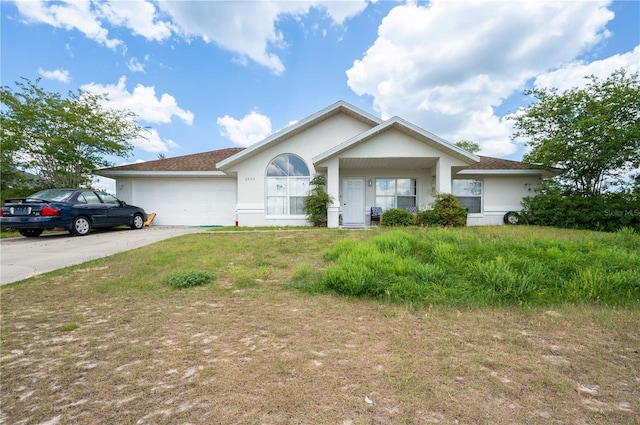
[5, 233]
[282, 329]
[485, 266]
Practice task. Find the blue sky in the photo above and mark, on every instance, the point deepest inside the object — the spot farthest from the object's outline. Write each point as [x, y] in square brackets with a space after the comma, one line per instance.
[207, 75]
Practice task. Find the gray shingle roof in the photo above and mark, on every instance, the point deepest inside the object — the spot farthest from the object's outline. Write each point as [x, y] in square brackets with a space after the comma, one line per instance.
[490, 163]
[205, 161]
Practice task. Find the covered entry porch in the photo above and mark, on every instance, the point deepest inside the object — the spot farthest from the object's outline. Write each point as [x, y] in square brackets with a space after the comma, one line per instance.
[357, 184]
[393, 164]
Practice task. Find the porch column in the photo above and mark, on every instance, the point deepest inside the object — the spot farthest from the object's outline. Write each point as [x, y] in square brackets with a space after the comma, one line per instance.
[443, 176]
[333, 189]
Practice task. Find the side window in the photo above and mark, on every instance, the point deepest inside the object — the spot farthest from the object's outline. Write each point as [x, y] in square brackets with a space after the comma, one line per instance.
[109, 199]
[469, 194]
[89, 197]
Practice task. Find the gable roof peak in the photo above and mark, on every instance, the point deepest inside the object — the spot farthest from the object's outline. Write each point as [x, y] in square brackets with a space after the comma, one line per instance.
[406, 127]
[339, 107]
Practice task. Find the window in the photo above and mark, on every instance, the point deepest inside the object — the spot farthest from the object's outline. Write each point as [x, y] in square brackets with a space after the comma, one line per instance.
[469, 194]
[396, 193]
[88, 197]
[109, 199]
[287, 185]
[59, 195]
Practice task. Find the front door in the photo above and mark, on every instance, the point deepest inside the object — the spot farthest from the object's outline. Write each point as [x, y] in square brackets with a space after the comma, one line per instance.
[353, 201]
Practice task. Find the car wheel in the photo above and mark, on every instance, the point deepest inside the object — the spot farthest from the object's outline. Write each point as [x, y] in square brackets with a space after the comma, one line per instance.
[31, 233]
[137, 222]
[81, 226]
[511, 218]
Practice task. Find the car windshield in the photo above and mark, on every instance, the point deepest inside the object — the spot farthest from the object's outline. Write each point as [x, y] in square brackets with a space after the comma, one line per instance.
[52, 195]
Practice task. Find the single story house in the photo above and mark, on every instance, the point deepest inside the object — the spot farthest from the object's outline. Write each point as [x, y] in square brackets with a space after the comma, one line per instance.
[367, 162]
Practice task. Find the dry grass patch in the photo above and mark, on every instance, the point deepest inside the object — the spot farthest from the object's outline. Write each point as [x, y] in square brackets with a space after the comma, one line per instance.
[247, 349]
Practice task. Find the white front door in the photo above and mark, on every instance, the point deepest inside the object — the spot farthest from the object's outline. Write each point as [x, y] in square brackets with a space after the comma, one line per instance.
[353, 201]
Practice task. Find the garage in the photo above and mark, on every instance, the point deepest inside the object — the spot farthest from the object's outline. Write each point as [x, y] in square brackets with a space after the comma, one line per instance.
[183, 191]
[199, 201]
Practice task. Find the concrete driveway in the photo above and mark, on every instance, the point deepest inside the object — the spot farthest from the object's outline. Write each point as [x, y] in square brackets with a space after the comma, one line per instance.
[22, 257]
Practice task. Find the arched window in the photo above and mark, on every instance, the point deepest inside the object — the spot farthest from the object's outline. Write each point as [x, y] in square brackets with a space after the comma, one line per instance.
[287, 185]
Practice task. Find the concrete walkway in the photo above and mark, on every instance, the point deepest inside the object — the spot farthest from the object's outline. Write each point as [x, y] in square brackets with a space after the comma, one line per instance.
[22, 257]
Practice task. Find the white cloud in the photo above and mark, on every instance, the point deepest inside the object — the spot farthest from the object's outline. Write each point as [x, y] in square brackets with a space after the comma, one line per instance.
[61, 75]
[246, 131]
[89, 18]
[134, 65]
[340, 11]
[445, 66]
[139, 16]
[152, 142]
[149, 108]
[249, 30]
[142, 101]
[572, 75]
[234, 26]
[70, 15]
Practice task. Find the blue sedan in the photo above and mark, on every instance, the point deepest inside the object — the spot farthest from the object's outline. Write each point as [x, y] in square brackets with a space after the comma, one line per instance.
[75, 210]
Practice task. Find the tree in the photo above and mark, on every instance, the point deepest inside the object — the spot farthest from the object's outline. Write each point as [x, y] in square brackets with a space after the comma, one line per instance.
[63, 140]
[468, 146]
[9, 175]
[316, 203]
[593, 133]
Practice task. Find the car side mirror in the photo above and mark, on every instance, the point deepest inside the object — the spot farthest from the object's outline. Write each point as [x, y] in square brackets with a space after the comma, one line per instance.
[122, 203]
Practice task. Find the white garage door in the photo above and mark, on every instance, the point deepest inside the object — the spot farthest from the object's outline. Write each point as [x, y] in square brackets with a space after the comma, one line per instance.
[187, 201]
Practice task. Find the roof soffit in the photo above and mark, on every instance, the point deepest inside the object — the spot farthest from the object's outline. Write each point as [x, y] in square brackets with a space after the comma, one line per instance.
[388, 163]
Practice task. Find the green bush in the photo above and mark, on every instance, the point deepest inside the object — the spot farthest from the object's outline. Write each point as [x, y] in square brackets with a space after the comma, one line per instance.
[449, 210]
[317, 202]
[606, 212]
[429, 218]
[189, 278]
[398, 217]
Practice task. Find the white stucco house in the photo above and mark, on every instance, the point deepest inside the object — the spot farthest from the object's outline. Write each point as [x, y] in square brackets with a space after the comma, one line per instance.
[367, 162]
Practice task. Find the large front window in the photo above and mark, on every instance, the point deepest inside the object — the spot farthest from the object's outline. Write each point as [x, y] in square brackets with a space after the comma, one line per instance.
[469, 194]
[396, 193]
[287, 185]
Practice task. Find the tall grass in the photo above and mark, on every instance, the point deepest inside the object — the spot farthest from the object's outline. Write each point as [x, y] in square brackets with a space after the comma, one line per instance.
[473, 268]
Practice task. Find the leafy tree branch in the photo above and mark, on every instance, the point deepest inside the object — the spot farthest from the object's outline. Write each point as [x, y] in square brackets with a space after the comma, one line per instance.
[63, 139]
[593, 133]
